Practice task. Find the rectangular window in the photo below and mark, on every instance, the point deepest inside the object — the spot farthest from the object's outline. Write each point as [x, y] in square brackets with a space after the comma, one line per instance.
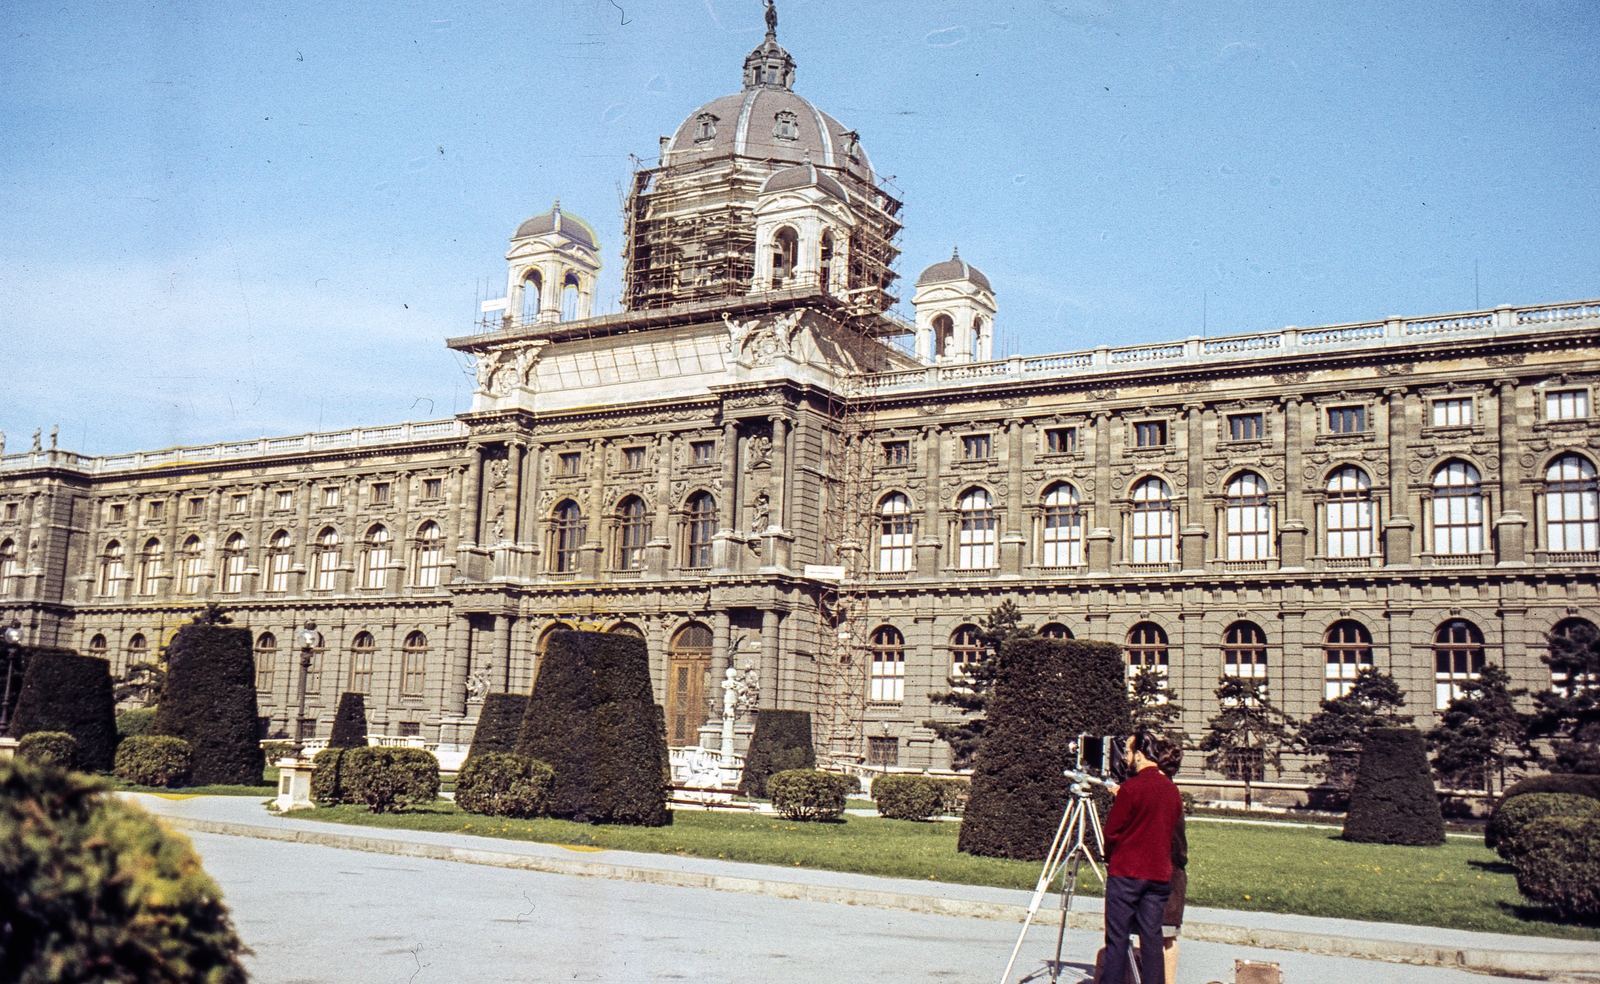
[117, 512]
[1347, 420]
[1454, 412]
[285, 499]
[410, 729]
[703, 452]
[412, 673]
[897, 453]
[632, 459]
[241, 503]
[155, 510]
[569, 462]
[976, 446]
[11, 511]
[1061, 440]
[1150, 433]
[432, 488]
[1246, 427]
[194, 508]
[330, 496]
[380, 493]
[883, 752]
[265, 658]
[1566, 405]
[361, 671]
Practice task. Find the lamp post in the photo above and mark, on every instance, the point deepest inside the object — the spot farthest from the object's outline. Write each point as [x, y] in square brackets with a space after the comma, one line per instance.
[11, 638]
[307, 638]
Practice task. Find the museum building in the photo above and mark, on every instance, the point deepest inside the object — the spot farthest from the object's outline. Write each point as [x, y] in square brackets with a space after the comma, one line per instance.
[757, 464]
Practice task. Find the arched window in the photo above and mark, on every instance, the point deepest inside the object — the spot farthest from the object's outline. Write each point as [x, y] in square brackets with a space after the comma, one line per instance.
[375, 558]
[266, 660]
[1147, 646]
[138, 648]
[944, 335]
[978, 531]
[701, 526]
[532, 286]
[1457, 658]
[151, 560]
[688, 682]
[327, 559]
[112, 570]
[1571, 636]
[8, 567]
[189, 576]
[233, 564]
[627, 629]
[895, 551]
[1249, 518]
[1348, 646]
[1063, 527]
[279, 560]
[633, 532]
[1457, 509]
[97, 645]
[975, 338]
[362, 648]
[785, 252]
[1349, 513]
[1244, 651]
[413, 664]
[888, 665]
[966, 648]
[566, 536]
[1055, 630]
[430, 555]
[569, 298]
[1571, 505]
[1153, 522]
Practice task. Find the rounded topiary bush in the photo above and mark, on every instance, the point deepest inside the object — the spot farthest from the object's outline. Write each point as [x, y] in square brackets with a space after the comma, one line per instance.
[781, 741]
[1394, 800]
[154, 760]
[49, 748]
[502, 784]
[908, 797]
[327, 776]
[1512, 818]
[62, 691]
[1559, 866]
[388, 779]
[135, 722]
[1558, 782]
[810, 794]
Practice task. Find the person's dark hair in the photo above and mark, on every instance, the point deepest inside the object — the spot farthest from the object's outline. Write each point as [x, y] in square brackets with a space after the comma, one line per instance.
[1148, 744]
[1169, 758]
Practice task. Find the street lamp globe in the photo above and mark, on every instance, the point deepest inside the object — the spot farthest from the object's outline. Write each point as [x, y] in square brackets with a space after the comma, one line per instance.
[308, 637]
[13, 633]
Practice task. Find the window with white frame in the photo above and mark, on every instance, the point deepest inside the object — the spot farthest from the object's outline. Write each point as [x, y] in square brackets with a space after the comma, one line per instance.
[113, 570]
[1347, 420]
[327, 560]
[1147, 647]
[1063, 527]
[1153, 522]
[1054, 630]
[1458, 657]
[895, 550]
[8, 567]
[701, 527]
[241, 504]
[413, 665]
[1061, 440]
[330, 496]
[1244, 651]
[151, 561]
[888, 681]
[430, 554]
[190, 579]
[896, 453]
[978, 531]
[1571, 504]
[633, 532]
[1150, 433]
[976, 446]
[1572, 637]
[1457, 509]
[567, 531]
[1349, 513]
[362, 649]
[279, 559]
[1246, 427]
[233, 564]
[966, 649]
[1572, 404]
[1249, 518]
[1455, 411]
[266, 660]
[375, 559]
[284, 500]
[1347, 646]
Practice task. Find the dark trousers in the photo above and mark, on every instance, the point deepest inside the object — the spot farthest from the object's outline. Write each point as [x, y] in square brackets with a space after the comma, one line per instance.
[1134, 904]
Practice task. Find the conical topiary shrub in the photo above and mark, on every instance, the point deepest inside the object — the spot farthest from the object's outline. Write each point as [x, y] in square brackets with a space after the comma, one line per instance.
[350, 722]
[592, 718]
[1394, 801]
[781, 741]
[209, 700]
[63, 691]
[499, 724]
[1046, 692]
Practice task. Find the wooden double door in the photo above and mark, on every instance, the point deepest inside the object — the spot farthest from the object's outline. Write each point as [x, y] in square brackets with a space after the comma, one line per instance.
[688, 684]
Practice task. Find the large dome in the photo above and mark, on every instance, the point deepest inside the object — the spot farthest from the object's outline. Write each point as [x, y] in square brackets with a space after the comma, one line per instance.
[768, 124]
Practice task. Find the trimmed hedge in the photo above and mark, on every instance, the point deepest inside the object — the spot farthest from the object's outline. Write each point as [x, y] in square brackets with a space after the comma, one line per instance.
[1560, 782]
[155, 760]
[49, 748]
[593, 719]
[327, 775]
[810, 794]
[908, 797]
[135, 722]
[349, 722]
[781, 741]
[499, 723]
[498, 784]
[1559, 866]
[1394, 800]
[209, 700]
[388, 779]
[1510, 821]
[92, 888]
[1046, 692]
[62, 691]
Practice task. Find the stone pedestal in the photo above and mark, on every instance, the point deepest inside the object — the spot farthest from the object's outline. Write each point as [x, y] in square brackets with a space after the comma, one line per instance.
[294, 785]
[1100, 550]
[1292, 545]
[1397, 541]
[1192, 545]
[776, 551]
[927, 559]
[1509, 536]
[8, 749]
[1011, 550]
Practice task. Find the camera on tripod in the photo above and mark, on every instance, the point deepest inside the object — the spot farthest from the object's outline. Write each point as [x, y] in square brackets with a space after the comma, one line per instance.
[1101, 756]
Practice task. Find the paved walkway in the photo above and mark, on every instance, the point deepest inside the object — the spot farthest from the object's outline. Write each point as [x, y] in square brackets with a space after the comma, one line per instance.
[1291, 939]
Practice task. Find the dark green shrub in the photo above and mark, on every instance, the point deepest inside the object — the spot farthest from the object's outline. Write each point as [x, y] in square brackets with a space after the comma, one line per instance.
[908, 797]
[94, 889]
[154, 760]
[275, 750]
[1188, 803]
[209, 700]
[327, 775]
[1394, 801]
[388, 779]
[49, 748]
[500, 784]
[1559, 866]
[135, 722]
[809, 794]
[955, 793]
[63, 691]
[1509, 822]
[1556, 783]
[1046, 692]
[592, 719]
[499, 722]
[781, 741]
[349, 722]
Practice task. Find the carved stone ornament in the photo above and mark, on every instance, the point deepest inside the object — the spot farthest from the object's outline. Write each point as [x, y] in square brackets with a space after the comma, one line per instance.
[1013, 402]
[1102, 394]
[1399, 369]
[1194, 386]
[1502, 361]
[1285, 378]
[1211, 478]
[478, 686]
[932, 409]
[759, 451]
[1414, 467]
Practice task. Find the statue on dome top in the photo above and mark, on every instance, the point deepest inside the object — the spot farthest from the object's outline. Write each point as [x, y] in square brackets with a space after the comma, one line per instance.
[772, 20]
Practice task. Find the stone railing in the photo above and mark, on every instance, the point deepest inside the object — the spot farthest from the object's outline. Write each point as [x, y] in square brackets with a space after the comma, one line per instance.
[1392, 332]
[357, 437]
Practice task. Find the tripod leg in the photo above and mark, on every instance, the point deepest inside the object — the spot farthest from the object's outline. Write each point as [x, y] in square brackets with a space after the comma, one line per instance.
[1068, 888]
[1051, 864]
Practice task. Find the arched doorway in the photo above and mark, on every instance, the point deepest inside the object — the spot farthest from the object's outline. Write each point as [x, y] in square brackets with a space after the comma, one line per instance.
[688, 683]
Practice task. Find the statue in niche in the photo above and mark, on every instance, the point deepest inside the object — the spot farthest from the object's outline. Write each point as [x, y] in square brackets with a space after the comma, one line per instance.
[760, 451]
[762, 513]
[478, 686]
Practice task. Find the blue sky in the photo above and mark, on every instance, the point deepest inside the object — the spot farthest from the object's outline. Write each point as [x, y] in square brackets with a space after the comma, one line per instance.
[229, 220]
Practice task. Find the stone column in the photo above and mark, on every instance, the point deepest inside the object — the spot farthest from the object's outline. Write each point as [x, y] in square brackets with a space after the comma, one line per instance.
[728, 516]
[928, 544]
[778, 487]
[500, 677]
[1100, 535]
[303, 492]
[769, 659]
[1193, 535]
[1510, 529]
[472, 496]
[455, 676]
[1397, 530]
[657, 551]
[514, 491]
[590, 559]
[720, 630]
[1292, 529]
[1012, 543]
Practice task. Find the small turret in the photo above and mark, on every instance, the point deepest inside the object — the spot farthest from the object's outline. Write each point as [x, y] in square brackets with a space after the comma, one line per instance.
[955, 313]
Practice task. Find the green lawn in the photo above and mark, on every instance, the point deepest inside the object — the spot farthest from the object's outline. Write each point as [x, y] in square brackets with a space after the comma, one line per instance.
[1460, 885]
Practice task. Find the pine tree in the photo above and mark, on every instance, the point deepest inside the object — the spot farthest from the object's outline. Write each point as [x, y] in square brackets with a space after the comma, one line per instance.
[971, 692]
[1249, 733]
[1152, 706]
[1568, 715]
[1481, 733]
[1336, 733]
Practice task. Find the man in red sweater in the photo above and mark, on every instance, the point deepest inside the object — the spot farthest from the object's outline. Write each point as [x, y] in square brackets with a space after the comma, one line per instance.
[1139, 862]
